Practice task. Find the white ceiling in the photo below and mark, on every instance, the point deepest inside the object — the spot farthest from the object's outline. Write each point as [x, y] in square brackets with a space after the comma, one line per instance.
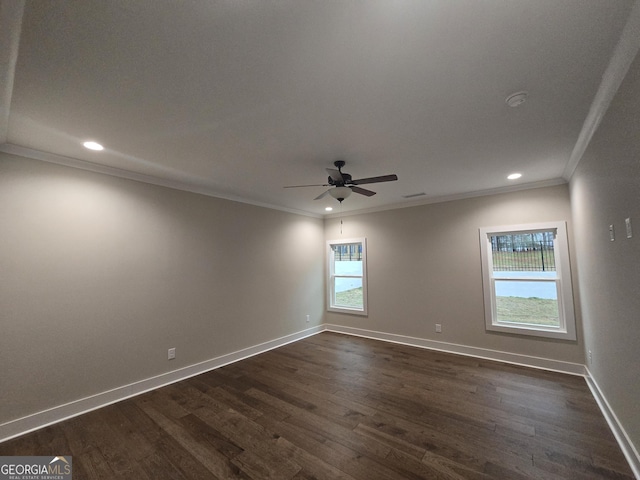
[238, 98]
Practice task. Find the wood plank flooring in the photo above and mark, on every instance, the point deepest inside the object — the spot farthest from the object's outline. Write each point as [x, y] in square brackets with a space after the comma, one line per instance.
[339, 407]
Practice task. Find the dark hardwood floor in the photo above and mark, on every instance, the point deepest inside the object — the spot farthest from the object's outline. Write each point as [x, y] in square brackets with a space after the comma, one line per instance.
[339, 407]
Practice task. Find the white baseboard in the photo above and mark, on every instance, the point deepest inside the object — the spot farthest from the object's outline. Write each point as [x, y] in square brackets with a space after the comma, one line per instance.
[484, 353]
[626, 445]
[57, 414]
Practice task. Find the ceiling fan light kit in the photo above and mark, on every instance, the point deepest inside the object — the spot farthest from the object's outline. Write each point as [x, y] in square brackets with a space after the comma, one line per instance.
[340, 193]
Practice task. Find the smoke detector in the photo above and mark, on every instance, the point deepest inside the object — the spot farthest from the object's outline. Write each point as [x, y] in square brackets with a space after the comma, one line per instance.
[516, 99]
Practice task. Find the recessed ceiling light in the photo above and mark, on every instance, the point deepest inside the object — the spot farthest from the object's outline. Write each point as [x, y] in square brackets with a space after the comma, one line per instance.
[328, 209]
[516, 99]
[93, 146]
[514, 176]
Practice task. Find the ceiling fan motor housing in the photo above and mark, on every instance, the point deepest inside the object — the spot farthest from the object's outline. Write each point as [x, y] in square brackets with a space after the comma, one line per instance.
[346, 178]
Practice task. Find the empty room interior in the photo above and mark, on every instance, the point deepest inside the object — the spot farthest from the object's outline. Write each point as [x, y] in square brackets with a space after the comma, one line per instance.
[321, 239]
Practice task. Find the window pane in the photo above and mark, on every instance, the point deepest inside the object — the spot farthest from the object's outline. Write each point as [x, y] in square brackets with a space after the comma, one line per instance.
[349, 293]
[529, 252]
[347, 252]
[531, 303]
[347, 268]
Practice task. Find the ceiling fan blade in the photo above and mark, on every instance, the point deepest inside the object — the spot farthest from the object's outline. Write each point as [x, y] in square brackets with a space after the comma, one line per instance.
[322, 195]
[335, 175]
[383, 178]
[314, 185]
[362, 191]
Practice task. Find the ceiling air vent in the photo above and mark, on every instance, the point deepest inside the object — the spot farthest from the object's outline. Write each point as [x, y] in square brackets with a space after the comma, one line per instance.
[414, 195]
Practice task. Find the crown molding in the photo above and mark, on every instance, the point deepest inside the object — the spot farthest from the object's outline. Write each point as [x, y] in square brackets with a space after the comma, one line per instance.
[623, 55]
[10, 27]
[138, 177]
[449, 198]
[203, 190]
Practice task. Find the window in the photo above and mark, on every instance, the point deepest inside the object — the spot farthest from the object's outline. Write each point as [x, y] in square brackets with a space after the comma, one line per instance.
[527, 281]
[347, 267]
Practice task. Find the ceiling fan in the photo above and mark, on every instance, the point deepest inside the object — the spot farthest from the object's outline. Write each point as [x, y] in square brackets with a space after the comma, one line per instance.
[343, 184]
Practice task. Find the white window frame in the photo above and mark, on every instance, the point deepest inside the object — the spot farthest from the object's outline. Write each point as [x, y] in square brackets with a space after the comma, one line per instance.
[567, 323]
[331, 277]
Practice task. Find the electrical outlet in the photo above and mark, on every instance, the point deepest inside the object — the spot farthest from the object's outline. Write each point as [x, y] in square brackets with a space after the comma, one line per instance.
[627, 222]
[590, 356]
[308, 318]
[171, 354]
[438, 328]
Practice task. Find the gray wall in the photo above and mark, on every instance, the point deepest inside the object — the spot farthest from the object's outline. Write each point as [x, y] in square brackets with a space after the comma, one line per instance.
[100, 276]
[424, 268]
[605, 189]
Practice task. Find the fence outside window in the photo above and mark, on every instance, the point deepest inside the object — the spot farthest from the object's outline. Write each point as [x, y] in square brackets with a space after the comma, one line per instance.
[530, 252]
[351, 252]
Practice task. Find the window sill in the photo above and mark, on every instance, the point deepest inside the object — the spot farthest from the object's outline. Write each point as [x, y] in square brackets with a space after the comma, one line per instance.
[351, 311]
[551, 332]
